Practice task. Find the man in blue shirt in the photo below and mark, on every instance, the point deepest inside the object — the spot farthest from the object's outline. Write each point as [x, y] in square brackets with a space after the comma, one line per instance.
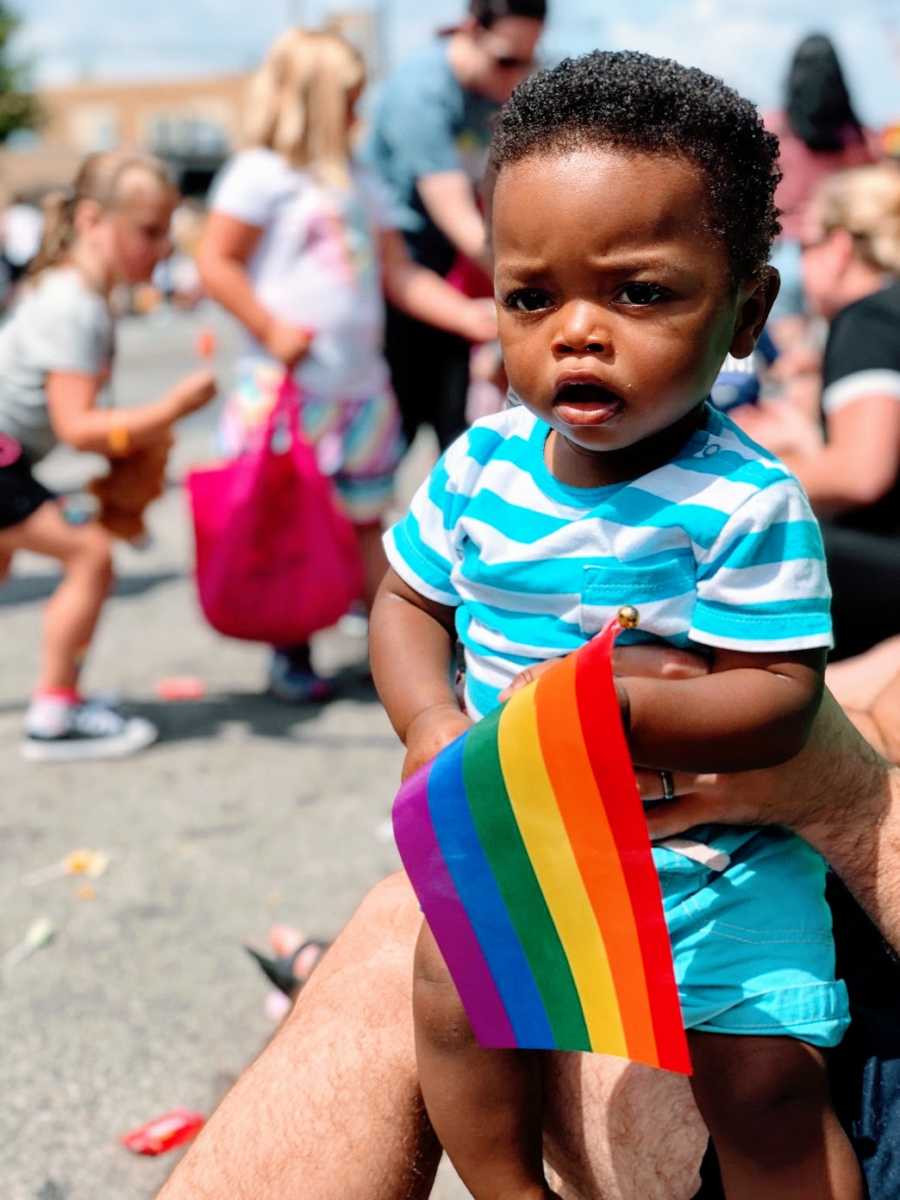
[428, 143]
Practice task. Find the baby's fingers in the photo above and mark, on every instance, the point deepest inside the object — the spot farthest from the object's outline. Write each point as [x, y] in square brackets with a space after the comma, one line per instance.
[529, 675]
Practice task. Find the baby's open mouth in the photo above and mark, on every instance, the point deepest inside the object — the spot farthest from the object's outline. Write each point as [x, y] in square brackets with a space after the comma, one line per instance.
[586, 404]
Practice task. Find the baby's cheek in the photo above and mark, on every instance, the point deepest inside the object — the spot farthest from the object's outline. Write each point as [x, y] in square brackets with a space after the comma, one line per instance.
[524, 361]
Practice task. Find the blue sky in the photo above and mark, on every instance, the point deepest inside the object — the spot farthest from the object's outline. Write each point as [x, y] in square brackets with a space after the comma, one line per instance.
[747, 42]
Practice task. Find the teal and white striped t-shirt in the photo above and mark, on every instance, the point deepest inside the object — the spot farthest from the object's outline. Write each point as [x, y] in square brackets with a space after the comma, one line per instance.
[718, 547]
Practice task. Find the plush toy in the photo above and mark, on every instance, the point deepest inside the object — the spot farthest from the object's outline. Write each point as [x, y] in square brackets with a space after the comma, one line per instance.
[129, 486]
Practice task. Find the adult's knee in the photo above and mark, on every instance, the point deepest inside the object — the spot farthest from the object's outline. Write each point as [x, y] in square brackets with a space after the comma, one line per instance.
[391, 905]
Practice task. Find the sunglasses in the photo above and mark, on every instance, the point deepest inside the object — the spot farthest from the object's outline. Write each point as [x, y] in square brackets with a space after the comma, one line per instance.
[807, 244]
[506, 62]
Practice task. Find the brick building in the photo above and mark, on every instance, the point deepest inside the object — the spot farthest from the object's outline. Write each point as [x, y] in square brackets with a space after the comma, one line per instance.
[191, 123]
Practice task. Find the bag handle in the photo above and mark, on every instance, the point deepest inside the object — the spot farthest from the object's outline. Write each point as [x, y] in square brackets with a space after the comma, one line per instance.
[283, 426]
[287, 398]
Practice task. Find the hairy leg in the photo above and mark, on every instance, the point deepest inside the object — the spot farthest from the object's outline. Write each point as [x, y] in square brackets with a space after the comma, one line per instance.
[72, 612]
[766, 1102]
[618, 1131]
[485, 1105]
[331, 1109]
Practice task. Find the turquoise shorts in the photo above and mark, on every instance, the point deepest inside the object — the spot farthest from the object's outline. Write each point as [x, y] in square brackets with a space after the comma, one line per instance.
[752, 944]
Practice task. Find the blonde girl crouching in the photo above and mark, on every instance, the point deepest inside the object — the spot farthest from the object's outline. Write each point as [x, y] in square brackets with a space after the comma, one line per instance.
[56, 351]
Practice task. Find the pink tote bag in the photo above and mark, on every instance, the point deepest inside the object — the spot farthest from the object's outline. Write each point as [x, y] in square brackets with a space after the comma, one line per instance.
[276, 559]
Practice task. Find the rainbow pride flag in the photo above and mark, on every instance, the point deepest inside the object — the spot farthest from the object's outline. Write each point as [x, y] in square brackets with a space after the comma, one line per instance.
[526, 843]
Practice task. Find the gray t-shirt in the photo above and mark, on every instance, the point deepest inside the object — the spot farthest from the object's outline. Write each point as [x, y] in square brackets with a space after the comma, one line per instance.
[424, 123]
[58, 325]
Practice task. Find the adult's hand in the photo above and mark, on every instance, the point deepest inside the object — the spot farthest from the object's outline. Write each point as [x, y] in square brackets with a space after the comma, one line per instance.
[835, 774]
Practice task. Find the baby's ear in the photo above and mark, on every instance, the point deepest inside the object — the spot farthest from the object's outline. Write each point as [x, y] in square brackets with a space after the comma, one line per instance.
[755, 302]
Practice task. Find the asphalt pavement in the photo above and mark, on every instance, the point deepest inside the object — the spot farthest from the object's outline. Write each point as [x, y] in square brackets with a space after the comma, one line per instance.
[246, 811]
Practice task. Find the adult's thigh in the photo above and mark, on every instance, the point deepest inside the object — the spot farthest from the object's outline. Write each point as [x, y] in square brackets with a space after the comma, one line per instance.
[331, 1109]
[618, 1131]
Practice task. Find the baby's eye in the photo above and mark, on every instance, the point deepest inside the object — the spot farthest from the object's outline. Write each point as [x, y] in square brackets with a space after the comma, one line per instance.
[527, 300]
[640, 294]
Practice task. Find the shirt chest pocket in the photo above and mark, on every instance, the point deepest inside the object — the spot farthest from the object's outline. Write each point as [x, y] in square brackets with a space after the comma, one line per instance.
[663, 593]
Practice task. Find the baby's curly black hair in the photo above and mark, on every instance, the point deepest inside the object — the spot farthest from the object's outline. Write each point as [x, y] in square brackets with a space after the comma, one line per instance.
[633, 101]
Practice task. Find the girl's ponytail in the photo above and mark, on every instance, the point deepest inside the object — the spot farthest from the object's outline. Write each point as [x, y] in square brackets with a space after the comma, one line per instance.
[58, 232]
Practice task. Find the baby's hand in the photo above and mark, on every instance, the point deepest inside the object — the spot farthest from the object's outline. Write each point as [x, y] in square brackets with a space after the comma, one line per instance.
[287, 343]
[429, 732]
[192, 392]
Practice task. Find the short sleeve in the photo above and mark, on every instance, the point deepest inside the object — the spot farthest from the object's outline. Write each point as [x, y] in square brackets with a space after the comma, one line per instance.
[862, 356]
[248, 188]
[378, 201]
[763, 585]
[69, 329]
[418, 133]
[423, 547]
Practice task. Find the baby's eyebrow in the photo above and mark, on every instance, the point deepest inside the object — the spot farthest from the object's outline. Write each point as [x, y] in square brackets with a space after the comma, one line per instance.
[603, 264]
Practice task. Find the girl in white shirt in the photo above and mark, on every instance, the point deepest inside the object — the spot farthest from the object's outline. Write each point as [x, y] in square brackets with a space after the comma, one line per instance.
[300, 247]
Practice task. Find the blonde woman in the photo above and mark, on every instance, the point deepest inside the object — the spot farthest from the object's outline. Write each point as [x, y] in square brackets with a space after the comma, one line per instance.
[56, 351]
[299, 245]
[851, 272]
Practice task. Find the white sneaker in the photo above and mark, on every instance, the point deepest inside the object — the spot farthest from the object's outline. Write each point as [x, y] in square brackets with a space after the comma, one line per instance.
[61, 732]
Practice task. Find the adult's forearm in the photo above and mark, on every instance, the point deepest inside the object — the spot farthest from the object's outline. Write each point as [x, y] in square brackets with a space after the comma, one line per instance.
[823, 480]
[834, 479]
[450, 202]
[425, 295]
[838, 794]
[865, 852]
[847, 805]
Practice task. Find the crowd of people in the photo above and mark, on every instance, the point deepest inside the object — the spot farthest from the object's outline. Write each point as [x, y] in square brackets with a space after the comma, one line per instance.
[685, 428]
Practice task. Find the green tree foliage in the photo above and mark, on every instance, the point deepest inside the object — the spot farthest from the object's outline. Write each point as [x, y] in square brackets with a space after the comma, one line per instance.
[19, 108]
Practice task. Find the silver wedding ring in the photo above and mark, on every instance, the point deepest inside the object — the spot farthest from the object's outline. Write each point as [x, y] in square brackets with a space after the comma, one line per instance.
[668, 785]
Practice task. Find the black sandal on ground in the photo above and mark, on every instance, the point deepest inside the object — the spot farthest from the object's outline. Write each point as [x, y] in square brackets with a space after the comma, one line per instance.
[279, 970]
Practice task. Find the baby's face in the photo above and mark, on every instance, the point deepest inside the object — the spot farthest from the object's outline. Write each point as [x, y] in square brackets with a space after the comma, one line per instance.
[614, 298]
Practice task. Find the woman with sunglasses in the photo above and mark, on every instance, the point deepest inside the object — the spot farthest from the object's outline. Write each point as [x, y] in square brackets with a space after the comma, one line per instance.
[428, 143]
[850, 244]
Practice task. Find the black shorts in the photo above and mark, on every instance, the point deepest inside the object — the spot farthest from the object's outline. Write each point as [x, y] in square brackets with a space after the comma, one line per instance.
[20, 492]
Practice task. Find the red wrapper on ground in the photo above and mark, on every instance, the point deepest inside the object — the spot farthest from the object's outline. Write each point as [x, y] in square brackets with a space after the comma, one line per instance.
[164, 1132]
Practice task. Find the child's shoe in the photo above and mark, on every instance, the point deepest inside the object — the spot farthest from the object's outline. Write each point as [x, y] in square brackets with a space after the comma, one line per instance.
[296, 682]
[58, 730]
